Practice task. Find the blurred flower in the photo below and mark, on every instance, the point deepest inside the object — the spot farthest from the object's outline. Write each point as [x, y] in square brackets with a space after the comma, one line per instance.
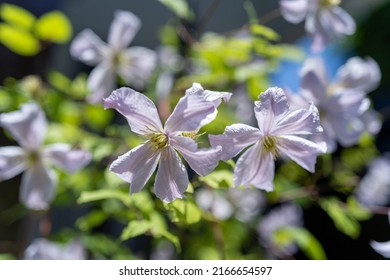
[286, 215]
[344, 108]
[28, 127]
[42, 249]
[214, 202]
[324, 19]
[134, 65]
[280, 132]
[197, 108]
[248, 203]
[382, 248]
[374, 188]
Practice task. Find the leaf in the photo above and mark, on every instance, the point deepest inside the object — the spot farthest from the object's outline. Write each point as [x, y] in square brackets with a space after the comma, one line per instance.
[90, 196]
[54, 27]
[18, 41]
[358, 211]
[218, 179]
[184, 211]
[179, 7]
[17, 16]
[303, 238]
[59, 81]
[91, 220]
[173, 238]
[264, 31]
[135, 228]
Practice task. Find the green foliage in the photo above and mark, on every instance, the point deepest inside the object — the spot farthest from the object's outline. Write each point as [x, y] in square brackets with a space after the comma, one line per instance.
[219, 179]
[179, 7]
[184, 211]
[17, 16]
[54, 27]
[18, 40]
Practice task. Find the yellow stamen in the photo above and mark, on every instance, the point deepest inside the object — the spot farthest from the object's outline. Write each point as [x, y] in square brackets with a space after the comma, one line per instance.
[329, 3]
[270, 144]
[192, 134]
[159, 141]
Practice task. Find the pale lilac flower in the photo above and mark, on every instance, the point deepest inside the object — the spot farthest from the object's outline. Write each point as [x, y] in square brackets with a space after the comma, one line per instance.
[284, 216]
[28, 127]
[343, 104]
[196, 109]
[280, 132]
[324, 19]
[134, 65]
[374, 188]
[382, 248]
[214, 202]
[42, 249]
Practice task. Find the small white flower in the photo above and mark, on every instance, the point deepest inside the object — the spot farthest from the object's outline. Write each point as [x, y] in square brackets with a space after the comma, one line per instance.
[42, 249]
[28, 127]
[196, 109]
[382, 248]
[134, 65]
[325, 20]
[280, 132]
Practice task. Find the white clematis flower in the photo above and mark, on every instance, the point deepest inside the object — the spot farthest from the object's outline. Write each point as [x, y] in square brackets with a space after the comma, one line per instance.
[134, 65]
[197, 108]
[280, 132]
[28, 127]
[325, 20]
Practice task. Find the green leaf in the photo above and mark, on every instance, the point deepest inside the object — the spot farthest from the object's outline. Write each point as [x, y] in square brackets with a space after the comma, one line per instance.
[265, 32]
[303, 238]
[135, 228]
[218, 179]
[184, 211]
[173, 238]
[18, 40]
[357, 210]
[59, 81]
[54, 27]
[179, 7]
[91, 220]
[17, 16]
[91, 196]
[96, 117]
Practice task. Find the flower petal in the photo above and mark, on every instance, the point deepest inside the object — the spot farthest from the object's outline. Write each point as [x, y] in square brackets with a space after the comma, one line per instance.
[358, 73]
[294, 11]
[88, 48]
[343, 23]
[12, 162]
[67, 159]
[38, 187]
[190, 114]
[136, 166]
[255, 168]
[314, 80]
[298, 122]
[212, 96]
[382, 248]
[302, 151]
[235, 138]
[101, 82]
[202, 161]
[139, 110]
[137, 66]
[27, 125]
[123, 29]
[272, 107]
[172, 178]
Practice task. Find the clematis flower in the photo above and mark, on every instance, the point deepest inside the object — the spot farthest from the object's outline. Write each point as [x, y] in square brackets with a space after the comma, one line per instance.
[343, 103]
[280, 132]
[42, 249]
[382, 248]
[325, 20]
[134, 65]
[197, 108]
[28, 127]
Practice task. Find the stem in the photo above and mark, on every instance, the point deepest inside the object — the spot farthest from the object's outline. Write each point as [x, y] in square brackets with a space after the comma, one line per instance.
[206, 17]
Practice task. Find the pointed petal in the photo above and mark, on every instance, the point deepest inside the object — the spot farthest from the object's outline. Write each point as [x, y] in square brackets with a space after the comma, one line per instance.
[190, 114]
[62, 156]
[299, 122]
[38, 187]
[272, 107]
[255, 168]
[12, 162]
[172, 178]
[27, 125]
[302, 151]
[139, 110]
[137, 66]
[136, 166]
[343, 23]
[314, 80]
[101, 82]
[358, 73]
[294, 11]
[212, 96]
[235, 138]
[123, 29]
[382, 248]
[88, 48]
[202, 161]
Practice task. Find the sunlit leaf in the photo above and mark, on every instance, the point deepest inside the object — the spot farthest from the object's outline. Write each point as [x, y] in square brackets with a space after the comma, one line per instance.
[54, 27]
[179, 7]
[18, 40]
[91, 196]
[17, 16]
[218, 179]
[184, 211]
[91, 220]
[135, 228]
[264, 31]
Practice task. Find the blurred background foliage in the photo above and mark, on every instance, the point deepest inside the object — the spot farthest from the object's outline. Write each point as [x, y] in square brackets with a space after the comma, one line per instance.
[212, 221]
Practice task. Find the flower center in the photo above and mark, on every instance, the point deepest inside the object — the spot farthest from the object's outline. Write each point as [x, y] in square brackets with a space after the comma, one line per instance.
[33, 157]
[159, 140]
[329, 3]
[270, 144]
[117, 58]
